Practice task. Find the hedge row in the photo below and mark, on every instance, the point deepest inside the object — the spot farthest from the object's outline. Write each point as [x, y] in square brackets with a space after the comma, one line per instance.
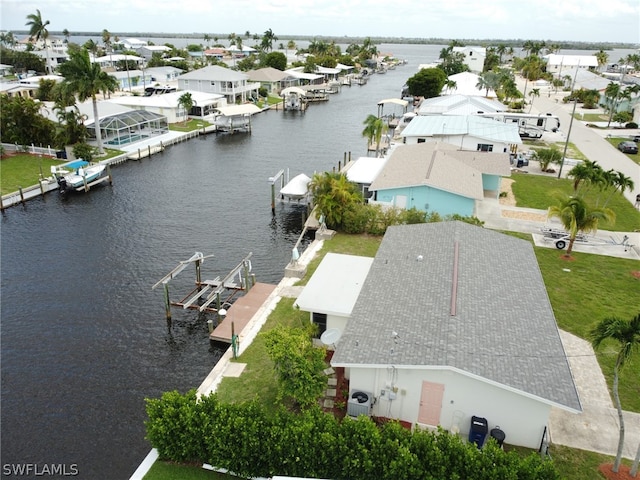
[246, 440]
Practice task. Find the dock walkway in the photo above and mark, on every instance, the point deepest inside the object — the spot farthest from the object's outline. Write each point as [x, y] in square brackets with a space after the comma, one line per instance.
[241, 312]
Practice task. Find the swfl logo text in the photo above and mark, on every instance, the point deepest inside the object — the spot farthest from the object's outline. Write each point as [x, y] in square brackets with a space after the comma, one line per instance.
[39, 470]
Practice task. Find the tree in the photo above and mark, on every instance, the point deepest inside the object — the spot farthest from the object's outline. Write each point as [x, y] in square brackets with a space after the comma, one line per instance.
[277, 60]
[374, 129]
[267, 41]
[22, 123]
[38, 31]
[535, 92]
[186, 102]
[452, 62]
[627, 335]
[427, 83]
[602, 58]
[585, 175]
[87, 80]
[619, 182]
[547, 156]
[333, 194]
[298, 364]
[576, 216]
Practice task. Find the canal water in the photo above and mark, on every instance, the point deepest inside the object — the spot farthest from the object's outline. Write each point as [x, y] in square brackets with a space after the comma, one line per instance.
[84, 338]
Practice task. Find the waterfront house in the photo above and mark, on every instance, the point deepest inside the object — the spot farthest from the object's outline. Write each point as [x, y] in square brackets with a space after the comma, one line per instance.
[332, 291]
[112, 60]
[363, 171]
[272, 79]
[235, 86]
[132, 79]
[453, 321]
[147, 51]
[164, 74]
[132, 43]
[438, 177]
[557, 64]
[473, 57]
[468, 132]
[167, 105]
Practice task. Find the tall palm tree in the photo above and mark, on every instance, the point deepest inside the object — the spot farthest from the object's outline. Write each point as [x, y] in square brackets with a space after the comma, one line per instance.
[620, 182]
[373, 131]
[38, 31]
[66, 34]
[333, 194]
[186, 102]
[602, 58]
[87, 80]
[535, 92]
[576, 216]
[585, 175]
[627, 334]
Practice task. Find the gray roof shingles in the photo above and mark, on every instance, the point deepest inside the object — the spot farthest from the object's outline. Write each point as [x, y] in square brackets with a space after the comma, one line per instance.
[504, 329]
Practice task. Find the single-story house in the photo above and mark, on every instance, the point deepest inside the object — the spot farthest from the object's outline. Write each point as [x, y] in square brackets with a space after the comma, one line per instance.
[437, 177]
[584, 79]
[112, 60]
[363, 171]
[132, 79]
[147, 51]
[235, 86]
[305, 78]
[473, 57]
[164, 74]
[459, 104]
[132, 43]
[454, 321]
[466, 83]
[332, 291]
[272, 79]
[167, 104]
[557, 64]
[469, 132]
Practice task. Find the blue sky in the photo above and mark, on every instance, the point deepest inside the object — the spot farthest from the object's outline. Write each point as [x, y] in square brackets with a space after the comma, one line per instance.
[576, 20]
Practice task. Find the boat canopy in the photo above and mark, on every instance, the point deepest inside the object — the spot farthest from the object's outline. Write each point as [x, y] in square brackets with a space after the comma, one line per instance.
[397, 101]
[236, 110]
[297, 186]
[290, 90]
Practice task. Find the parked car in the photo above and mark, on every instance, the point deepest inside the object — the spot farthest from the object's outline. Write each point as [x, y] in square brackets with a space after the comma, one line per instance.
[636, 138]
[628, 147]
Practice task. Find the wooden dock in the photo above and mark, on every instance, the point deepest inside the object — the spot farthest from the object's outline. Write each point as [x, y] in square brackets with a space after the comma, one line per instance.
[241, 312]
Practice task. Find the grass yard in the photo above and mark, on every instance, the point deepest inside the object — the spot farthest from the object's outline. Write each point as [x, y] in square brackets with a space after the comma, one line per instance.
[616, 140]
[171, 471]
[23, 171]
[536, 191]
[190, 125]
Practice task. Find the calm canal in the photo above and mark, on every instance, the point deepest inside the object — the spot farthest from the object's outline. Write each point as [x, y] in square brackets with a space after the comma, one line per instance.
[84, 339]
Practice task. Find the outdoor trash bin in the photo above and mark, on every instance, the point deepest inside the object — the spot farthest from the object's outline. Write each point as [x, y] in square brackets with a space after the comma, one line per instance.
[478, 430]
[498, 435]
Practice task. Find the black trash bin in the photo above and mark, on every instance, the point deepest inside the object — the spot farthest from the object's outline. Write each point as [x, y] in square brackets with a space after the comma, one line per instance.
[478, 430]
[498, 435]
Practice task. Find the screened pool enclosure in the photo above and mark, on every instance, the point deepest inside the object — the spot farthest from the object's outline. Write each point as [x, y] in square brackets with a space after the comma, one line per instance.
[129, 127]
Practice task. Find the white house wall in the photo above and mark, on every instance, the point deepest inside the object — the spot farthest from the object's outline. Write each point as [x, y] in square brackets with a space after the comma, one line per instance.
[464, 142]
[521, 418]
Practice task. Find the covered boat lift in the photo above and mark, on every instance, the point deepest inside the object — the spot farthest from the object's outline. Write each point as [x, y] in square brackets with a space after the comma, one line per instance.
[235, 118]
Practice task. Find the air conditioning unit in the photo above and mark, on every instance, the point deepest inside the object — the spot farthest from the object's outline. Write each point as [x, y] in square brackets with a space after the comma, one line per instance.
[359, 403]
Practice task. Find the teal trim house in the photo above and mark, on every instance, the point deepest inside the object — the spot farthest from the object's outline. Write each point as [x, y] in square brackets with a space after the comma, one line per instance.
[437, 177]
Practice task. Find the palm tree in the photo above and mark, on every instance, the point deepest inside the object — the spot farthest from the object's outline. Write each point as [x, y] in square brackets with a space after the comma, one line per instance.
[576, 216]
[332, 195]
[602, 58]
[267, 41]
[186, 102]
[38, 31]
[627, 334]
[620, 182]
[533, 93]
[585, 174]
[87, 80]
[373, 131]
[106, 40]
[66, 34]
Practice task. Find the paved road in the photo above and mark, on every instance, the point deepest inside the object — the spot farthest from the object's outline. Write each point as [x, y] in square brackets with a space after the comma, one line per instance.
[590, 141]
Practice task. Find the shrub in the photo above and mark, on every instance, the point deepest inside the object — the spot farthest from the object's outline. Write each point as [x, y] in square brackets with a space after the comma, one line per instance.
[631, 125]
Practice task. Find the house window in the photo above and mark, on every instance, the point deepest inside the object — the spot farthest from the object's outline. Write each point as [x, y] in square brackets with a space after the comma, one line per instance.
[320, 319]
[422, 140]
[186, 83]
[485, 147]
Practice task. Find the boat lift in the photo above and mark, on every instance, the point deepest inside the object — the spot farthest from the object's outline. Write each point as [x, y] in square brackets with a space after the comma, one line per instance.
[561, 239]
[218, 291]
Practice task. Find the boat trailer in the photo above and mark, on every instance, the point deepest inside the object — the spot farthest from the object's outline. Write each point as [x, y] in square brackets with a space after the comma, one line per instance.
[561, 239]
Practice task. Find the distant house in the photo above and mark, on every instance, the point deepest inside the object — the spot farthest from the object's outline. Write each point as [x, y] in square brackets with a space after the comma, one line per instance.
[165, 74]
[234, 85]
[112, 60]
[557, 64]
[437, 177]
[272, 79]
[469, 132]
[132, 79]
[132, 43]
[466, 83]
[147, 51]
[452, 321]
[305, 78]
[459, 104]
[473, 57]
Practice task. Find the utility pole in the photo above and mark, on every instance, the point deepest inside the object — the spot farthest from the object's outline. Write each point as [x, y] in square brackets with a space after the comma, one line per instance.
[573, 112]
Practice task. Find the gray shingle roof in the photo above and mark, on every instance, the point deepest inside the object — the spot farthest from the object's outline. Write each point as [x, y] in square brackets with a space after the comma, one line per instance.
[442, 166]
[503, 329]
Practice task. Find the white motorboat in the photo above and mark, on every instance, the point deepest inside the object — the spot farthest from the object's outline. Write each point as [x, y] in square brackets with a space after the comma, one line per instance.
[76, 174]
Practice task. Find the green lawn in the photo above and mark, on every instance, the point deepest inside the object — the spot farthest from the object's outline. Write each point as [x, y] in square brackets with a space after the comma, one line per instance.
[536, 191]
[616, 140]
[23, 171]
[190, 125]
[172, 471]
